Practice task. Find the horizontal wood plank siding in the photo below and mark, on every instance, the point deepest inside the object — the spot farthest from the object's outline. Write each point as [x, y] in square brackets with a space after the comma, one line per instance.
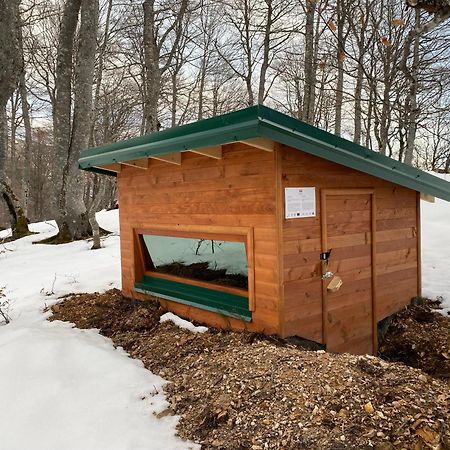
[235, 191]
[396, 236]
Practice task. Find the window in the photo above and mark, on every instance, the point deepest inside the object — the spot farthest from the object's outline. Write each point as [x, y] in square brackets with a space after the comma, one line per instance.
[204, 259]
[207, 270]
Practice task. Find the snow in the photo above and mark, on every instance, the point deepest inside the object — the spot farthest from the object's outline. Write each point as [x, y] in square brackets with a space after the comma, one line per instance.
[435, 248]
[61, 387]
[182, 323]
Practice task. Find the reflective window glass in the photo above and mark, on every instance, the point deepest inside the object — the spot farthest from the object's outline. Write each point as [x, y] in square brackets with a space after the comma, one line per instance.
[209, 260]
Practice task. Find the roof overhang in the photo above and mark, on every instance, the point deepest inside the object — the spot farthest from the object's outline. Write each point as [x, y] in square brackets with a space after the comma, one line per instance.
[262, 122]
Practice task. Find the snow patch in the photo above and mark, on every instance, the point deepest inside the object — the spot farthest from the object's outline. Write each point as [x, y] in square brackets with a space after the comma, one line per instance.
[62, 387]
[109, 220]
[182, 323]
[435, 249]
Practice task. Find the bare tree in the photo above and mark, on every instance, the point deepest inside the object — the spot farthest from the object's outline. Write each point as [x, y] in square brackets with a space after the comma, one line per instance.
[71, 131]
[158, 52]
[310, 63]
[11, 67]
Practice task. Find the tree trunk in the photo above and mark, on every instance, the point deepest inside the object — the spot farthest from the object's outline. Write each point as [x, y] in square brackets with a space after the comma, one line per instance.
[200, 90]
[266, 50]
[152, 69]
[62, 113]
[19, 223]
[310, 78]
[11, 67]
[174, 100]
[412, 111]
[99, 74]
[72, 136]
[358, 94]
[98, 196]
[3, 141]
[12, 141]
[340, 68]
[28, 140]
[152, 49]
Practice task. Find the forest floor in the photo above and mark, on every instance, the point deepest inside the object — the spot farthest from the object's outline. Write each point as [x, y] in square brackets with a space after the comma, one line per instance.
[245, 391]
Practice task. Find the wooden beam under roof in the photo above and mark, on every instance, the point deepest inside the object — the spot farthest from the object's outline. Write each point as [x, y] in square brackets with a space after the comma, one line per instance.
[138, 163]
[172, 158]
[427, 197]
[114, 167]
[213, 152]
[261, 143]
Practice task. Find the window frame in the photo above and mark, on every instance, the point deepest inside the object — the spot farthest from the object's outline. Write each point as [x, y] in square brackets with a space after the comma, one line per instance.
[231, 234]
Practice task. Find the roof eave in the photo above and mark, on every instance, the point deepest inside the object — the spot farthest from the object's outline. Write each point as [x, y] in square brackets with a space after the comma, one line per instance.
[231, 127]
[396, 172]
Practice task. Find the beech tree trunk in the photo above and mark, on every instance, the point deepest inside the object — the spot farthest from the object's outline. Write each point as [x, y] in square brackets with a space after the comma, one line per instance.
[310, 76]
[412, 109]
[28, 140]
[340, 68]
[152, 69]
[152, 52]
[71, 134]
[266, 51]
[11, 67]
[358, 90]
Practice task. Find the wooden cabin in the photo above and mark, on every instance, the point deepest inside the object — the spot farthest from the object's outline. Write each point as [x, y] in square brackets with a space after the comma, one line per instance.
[255, 220]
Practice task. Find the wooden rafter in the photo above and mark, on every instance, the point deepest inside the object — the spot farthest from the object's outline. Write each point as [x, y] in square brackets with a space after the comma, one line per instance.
[172, 158]
[115, 167]
[261, 143]
[138, 163]
[213, 152]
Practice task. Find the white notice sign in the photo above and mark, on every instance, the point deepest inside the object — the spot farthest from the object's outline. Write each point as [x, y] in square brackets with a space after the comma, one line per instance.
[300, 202]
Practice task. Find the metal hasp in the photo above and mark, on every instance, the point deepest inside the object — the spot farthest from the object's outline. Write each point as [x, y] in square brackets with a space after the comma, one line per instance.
[263, 122]
[325, 257]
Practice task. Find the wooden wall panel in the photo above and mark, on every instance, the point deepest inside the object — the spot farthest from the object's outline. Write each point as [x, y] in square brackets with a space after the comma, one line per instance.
[245, 189]
[396, 241]
[237, 190]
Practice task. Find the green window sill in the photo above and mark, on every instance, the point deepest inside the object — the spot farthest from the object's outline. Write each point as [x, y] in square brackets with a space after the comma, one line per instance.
[209, 299]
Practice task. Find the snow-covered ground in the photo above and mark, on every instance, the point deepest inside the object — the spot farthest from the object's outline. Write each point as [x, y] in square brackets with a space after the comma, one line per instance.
[435, 247]
[64, 388]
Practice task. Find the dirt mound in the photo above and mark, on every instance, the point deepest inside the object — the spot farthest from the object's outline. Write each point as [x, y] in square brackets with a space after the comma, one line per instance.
[111, 313]
[241, 391]
[419, 336]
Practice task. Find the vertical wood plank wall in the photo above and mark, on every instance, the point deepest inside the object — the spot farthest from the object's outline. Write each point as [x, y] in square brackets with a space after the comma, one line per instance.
[397, 234]
[237, 190]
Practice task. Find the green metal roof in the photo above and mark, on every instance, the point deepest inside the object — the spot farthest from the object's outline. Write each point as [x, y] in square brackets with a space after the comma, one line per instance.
[261, 121]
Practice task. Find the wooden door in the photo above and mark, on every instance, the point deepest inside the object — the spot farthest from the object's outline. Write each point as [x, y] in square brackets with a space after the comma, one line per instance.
[348, 225]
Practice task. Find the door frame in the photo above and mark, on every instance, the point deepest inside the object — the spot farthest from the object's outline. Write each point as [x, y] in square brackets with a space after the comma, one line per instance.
[324, 238]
